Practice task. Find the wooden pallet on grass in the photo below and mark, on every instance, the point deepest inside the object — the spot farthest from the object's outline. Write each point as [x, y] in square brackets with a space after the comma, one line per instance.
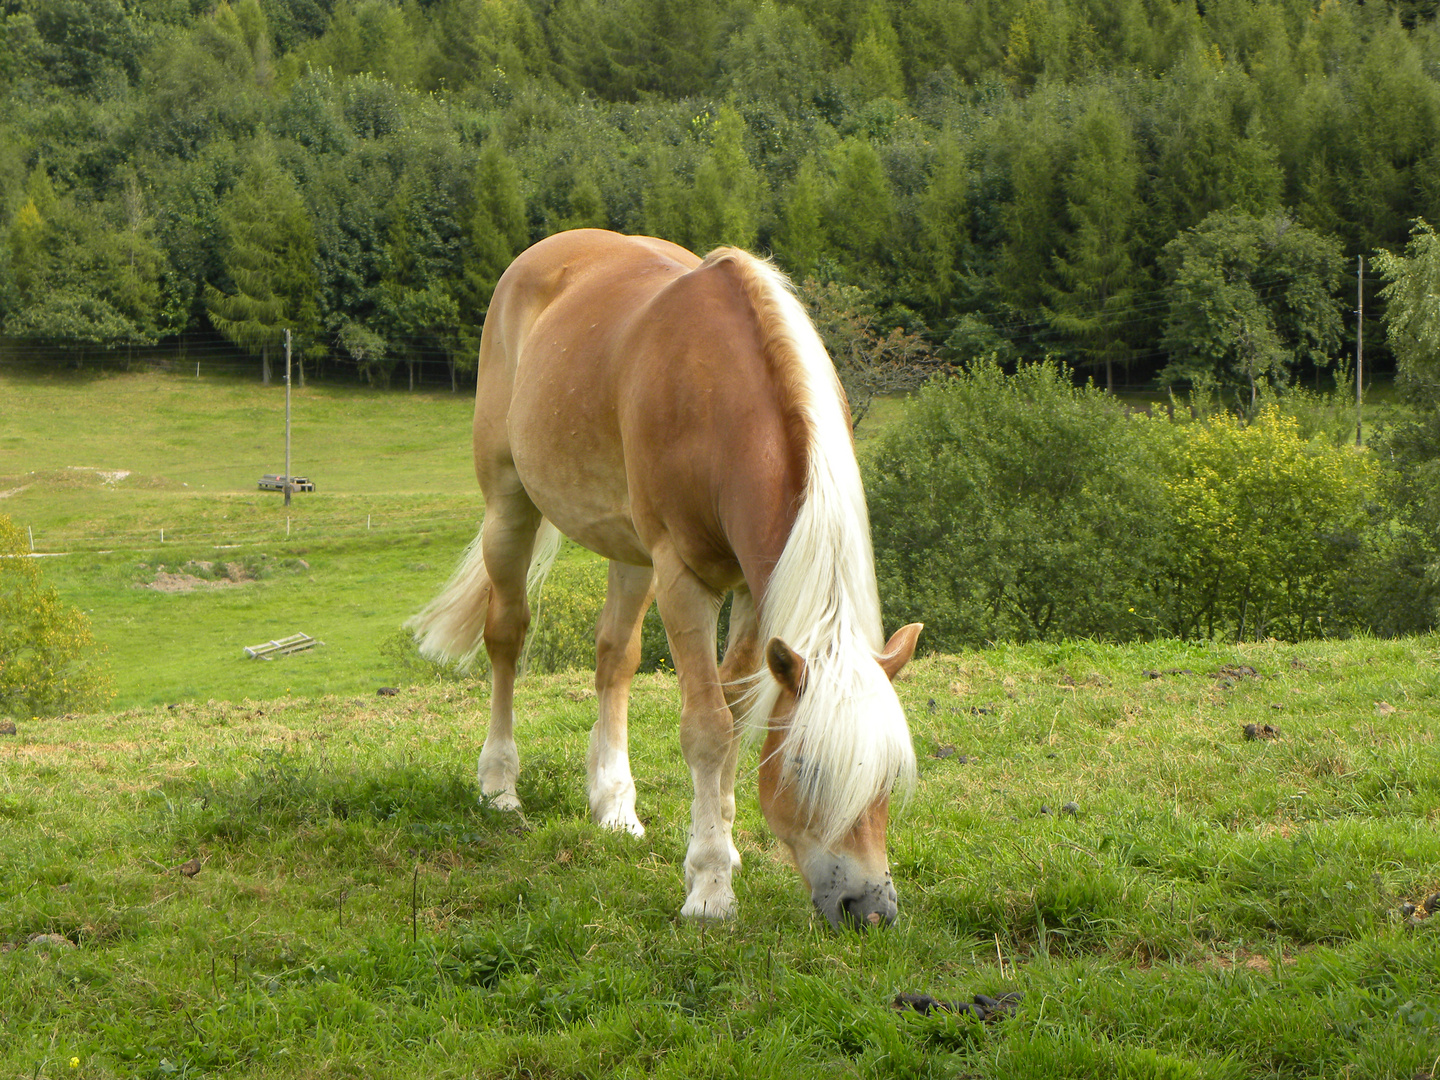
[283, 647]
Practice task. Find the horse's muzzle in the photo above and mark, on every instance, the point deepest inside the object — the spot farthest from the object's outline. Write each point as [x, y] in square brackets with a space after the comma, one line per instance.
[873, 905]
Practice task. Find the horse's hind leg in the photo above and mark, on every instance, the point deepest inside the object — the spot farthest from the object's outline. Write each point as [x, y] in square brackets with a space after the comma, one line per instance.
[508, 542]
[617, 655]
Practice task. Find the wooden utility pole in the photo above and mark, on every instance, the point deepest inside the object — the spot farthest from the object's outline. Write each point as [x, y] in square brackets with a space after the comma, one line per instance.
[288, 486]
[1359, 341]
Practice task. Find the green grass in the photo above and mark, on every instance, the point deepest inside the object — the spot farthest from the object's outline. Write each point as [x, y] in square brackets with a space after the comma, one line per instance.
[96, 467]
[1216, 907]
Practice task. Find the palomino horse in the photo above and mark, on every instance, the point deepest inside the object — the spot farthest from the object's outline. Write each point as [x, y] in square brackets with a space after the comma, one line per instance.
[681, 418]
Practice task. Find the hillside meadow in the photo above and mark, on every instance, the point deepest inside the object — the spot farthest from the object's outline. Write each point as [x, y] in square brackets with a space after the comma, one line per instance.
[1092, 829]
[98, 466]
[1190, 860]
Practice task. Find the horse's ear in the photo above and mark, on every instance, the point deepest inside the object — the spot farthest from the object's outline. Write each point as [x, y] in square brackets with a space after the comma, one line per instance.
[786, 665]
[900, 648]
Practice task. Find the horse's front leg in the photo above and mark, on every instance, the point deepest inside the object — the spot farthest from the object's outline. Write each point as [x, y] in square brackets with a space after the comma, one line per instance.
[742, 661]
[617, 655]
[689, 609]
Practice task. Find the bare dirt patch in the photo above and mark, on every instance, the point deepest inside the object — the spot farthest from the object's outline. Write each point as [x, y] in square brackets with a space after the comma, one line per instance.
[198, 575]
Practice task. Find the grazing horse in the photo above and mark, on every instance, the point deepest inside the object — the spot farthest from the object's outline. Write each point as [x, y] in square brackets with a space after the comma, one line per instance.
[680, 417]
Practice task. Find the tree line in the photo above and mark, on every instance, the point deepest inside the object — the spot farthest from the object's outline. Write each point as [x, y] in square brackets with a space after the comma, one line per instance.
[1142, 189]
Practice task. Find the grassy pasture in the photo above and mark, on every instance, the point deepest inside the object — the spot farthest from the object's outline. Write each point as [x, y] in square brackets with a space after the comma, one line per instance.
[1214, 906]
[98, 466]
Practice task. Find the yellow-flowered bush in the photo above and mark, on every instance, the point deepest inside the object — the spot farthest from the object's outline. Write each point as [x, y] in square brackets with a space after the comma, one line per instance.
[1265, 523]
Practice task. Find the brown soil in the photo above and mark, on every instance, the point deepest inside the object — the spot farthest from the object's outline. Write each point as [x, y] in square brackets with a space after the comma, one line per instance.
[182, 580]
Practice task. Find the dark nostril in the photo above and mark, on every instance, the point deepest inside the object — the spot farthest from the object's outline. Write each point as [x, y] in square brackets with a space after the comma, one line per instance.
[862, 915]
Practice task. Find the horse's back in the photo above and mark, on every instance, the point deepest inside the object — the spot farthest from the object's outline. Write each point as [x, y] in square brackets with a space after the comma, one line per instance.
[628, 385]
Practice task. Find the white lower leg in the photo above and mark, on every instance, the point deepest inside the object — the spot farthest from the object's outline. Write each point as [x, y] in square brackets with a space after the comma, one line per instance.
[711, 857]
[498, 770]
[612, 787]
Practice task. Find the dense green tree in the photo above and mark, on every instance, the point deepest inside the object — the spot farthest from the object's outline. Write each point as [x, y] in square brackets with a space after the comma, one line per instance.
[1394, 128]
[416, 312]
[371, 37]
[662, 211]
[944, 234]
[1032, 149]
[875, 58]
[269, 260]
[776, 57]
[495, 44]
[724, 202]
[1209, 148]
[1412, 311]
[620, 49]
[585, 205]
[81, 45]
[293, 22]
[1248, 299]
[859, 208]
[497, 227]
[202, 84]
[88, 275]
[799, 239]
[1092, 299]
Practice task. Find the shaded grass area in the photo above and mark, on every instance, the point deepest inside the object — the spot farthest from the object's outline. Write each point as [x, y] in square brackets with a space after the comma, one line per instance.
[1209, 906]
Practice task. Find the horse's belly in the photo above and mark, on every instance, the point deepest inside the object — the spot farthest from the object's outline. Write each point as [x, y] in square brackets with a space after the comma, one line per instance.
[581, 489]
[612, 535]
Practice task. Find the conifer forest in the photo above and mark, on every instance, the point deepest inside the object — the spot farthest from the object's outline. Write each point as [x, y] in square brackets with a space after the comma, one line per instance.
[1146, 191]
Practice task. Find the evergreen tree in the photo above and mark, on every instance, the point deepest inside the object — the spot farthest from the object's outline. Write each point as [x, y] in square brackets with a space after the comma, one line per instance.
[661, 209]
[1096, 269]
[800, 237]
[498, 230]
[875, 60]
[944, 235]
[269, 259]
[859, 210]
[775, 58]
[724, 205]
[586, 205]
[1032, 149]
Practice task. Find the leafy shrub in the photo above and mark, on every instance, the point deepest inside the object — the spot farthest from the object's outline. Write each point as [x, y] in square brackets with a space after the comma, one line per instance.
[1017, 508]
[1266, 521]
[563, 617]
[1021, 508]
[1395, 585]
[561, 637]
[46, 666]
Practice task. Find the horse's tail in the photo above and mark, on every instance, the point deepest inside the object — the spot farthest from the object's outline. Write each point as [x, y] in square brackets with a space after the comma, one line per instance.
[452, 626]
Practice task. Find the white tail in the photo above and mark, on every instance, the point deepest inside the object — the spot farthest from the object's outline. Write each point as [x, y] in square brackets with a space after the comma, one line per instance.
[452, 626]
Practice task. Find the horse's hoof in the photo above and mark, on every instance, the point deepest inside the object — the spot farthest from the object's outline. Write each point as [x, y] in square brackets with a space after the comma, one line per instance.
[501, 800]
[623, 823]
[715, 906]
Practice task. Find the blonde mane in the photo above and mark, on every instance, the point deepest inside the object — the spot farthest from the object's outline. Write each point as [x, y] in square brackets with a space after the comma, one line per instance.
[847, 742]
